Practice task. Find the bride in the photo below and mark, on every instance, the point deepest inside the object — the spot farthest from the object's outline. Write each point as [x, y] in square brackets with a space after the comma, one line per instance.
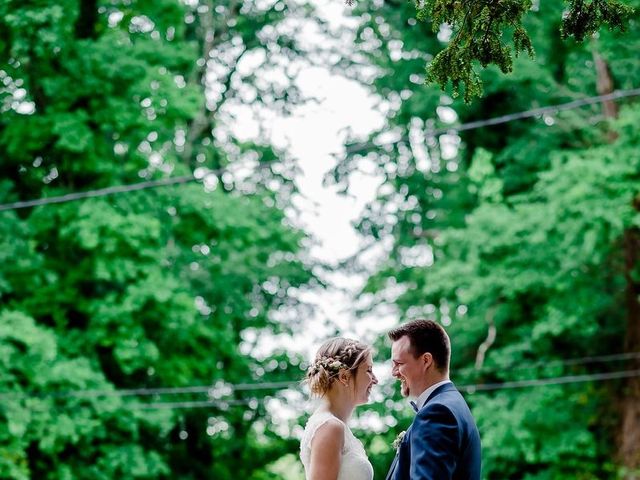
[342, 376]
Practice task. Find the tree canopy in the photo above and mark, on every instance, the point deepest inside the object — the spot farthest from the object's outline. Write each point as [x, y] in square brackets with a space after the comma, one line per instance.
[478, 33]
[106, 302]
[130, 324]
[520, 238]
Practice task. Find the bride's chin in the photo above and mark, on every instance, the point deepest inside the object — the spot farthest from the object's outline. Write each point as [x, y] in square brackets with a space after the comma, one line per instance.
[367, 397]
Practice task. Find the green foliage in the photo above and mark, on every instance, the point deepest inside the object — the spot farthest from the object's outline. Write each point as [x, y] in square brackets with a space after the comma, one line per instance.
[166, 287]
[479, 31]
[515, 229]
[585, 18]
[478, 37]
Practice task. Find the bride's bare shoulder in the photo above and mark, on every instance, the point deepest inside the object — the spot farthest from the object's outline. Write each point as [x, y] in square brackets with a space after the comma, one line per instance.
[330, 432]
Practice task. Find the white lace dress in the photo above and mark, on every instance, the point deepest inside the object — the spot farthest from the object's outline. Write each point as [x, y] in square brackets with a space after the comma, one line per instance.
[354, 465]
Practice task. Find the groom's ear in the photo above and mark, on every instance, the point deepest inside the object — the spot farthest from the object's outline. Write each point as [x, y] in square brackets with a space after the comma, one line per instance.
[427, 358]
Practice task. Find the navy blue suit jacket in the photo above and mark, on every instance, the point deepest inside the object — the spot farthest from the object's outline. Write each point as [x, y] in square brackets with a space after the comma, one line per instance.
[442, 443]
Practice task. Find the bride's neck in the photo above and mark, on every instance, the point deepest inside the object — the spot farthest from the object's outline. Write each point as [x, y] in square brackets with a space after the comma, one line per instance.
[338, 406]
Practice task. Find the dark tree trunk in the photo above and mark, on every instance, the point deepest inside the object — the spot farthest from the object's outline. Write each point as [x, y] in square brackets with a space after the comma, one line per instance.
[87, 19]
[629, 435]
[604, 85]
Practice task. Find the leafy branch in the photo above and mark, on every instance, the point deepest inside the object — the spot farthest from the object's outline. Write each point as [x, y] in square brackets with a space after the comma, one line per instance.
[480, 27]
[586, 17]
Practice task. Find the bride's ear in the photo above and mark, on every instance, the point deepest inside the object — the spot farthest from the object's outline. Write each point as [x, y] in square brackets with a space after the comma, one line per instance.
[343, 377]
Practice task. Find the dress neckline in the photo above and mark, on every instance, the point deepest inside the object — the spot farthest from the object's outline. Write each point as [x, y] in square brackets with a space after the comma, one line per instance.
[322, 412]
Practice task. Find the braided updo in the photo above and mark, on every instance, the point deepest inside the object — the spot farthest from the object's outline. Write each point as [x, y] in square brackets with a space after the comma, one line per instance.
[334, 355]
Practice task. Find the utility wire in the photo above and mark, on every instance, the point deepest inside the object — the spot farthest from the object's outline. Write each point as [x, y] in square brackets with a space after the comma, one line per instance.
[121, 188]
[195, 404]
[252, 403]
[511, 117]
[554, 363]
[616, 95]
[143, 391]
[222, 388]
[539, 382]
[582, 102]
[224, 404]
[469, 389]
[97, 193]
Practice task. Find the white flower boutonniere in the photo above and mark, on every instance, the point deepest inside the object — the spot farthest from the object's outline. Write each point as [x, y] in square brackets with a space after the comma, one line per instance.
[398, 440]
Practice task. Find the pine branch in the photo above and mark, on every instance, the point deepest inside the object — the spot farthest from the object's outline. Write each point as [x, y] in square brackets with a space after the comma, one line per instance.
[479, 26]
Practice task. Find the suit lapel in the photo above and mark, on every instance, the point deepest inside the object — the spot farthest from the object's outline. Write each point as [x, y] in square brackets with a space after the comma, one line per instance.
[392, 469]
[396, 459]
[442, 388]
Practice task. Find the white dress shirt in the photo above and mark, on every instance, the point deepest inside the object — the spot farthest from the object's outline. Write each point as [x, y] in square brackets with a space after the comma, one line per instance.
[422, 398]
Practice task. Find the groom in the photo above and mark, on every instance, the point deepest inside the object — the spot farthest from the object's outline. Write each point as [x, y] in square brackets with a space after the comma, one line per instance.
[443, 442]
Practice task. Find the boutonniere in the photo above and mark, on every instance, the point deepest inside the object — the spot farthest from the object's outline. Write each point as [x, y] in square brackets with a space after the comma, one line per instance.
[398, 440]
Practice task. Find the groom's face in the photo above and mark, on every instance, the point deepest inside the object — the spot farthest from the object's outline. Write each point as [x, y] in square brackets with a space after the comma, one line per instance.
[406, 368]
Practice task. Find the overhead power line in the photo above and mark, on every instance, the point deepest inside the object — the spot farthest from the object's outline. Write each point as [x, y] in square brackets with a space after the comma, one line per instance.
[97, 193]
[617, 95]
[222, 390]
[554, 363]
[470, 389]
[535, 112]
[252, 403]
[144, 391]
[196, 404]
[122, 188]
[511, 117]
[539, 382]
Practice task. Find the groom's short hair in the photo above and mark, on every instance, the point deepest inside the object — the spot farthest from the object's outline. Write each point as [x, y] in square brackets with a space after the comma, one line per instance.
[426, 336]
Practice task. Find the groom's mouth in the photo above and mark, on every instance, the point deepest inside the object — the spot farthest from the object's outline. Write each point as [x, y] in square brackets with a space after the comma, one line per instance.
[404, 388]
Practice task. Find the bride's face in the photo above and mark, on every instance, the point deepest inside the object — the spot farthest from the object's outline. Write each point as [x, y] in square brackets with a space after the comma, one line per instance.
[365, 379]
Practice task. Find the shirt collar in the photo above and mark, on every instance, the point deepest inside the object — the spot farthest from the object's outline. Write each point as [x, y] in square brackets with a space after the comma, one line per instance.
[422, 398]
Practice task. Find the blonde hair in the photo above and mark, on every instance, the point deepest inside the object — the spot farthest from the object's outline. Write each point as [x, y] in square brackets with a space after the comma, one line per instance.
[334, 355]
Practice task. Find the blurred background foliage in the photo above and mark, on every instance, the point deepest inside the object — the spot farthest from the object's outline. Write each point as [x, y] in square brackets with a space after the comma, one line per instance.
[521, 238]
[152, 288]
